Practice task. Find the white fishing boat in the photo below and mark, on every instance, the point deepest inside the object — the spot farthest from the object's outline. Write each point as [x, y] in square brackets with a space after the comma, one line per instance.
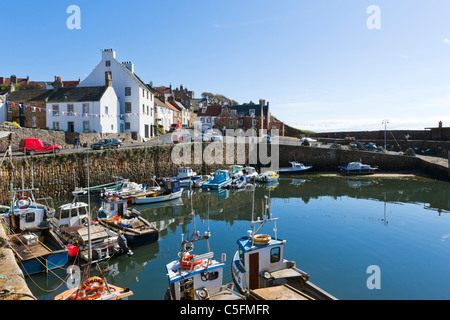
[198, 277]
[296, 167]
[250, 173]
[171, 191]
[261, 272]
[357, 168]
[71, 224]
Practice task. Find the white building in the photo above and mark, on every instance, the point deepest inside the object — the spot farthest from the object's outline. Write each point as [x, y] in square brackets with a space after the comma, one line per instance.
[164, 114]
[136, 101]
[84, 109]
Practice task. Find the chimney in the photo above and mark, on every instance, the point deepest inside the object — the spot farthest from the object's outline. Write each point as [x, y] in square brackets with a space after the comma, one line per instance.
[108, 79]
[13, 79]
[108, 54]
[129, 66]
[440, 124]
[57, 83]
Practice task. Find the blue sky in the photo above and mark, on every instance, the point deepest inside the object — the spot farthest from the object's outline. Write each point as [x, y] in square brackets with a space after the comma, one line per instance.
[316, 62]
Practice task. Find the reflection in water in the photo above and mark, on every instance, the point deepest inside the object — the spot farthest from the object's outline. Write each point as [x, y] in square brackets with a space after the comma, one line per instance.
[336, 227]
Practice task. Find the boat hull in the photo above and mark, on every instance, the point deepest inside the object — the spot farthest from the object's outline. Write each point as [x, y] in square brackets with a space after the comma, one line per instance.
[134, 239]
[216, 186]
[156, 199]
[57, 259]
[292, 171]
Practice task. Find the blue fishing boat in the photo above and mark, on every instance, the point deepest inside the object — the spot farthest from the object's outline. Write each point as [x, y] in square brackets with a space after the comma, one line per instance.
[37, 248]
[221, 179]
[171, 191]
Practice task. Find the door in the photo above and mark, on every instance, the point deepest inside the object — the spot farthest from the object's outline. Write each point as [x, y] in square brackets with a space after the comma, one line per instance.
[147, 131]
[70, 126]
[254, 270]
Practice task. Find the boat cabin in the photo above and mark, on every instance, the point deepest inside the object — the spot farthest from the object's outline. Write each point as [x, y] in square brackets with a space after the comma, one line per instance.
[172, 186]
[185, 172]
[236, 170]
[221, 176]
[112, 207]
[257, 261]
[71, 214]
[28, 214]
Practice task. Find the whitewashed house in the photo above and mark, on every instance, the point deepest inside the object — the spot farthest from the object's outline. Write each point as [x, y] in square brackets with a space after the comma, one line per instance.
[84, 109]
[136, 101]
[163, 114]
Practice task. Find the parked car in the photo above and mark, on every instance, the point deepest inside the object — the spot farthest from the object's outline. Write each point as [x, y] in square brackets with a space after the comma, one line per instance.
[33, 145]
[107, 144]
[212, 135]
[175, 126]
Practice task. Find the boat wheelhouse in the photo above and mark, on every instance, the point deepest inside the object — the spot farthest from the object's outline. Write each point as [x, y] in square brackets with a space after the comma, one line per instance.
[236, 170]
[250, 173]
[268, 176]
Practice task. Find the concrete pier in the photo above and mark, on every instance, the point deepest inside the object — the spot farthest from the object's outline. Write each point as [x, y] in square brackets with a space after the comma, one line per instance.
[12, 282]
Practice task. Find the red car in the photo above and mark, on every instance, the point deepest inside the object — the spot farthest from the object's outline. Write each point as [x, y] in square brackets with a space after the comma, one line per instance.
[32, 146]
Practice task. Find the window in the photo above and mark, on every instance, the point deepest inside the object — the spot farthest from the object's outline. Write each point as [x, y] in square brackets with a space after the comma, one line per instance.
[29, 216]
[128, 91]
[252, 112]
[241, 256]
[56, 110]
[253, 122]
[275, 255]
[33, 107]
[107, 63]
[231, 123]
[33, 121]
[85, 107]
[241, 122]
[127, 107]
[10, 107]
[112, 127]
[203, 110]
[86, 126]
[70, 109]
[127, 126]
[233, 112]
[143, 93]
[143, 108]
[106, 110]
[55, 125]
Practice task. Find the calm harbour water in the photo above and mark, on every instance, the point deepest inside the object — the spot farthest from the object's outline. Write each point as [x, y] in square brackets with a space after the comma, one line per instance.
[335, 227]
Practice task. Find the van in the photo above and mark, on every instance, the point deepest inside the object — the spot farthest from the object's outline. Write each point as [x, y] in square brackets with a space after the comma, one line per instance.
[175, 126]
[32, 146]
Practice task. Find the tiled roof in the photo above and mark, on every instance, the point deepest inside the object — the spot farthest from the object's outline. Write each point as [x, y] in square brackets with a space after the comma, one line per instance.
[78, 94]
[244, 110]
[29, 95]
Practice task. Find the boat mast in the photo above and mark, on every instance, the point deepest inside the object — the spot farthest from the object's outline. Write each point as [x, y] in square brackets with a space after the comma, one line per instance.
[89, 209]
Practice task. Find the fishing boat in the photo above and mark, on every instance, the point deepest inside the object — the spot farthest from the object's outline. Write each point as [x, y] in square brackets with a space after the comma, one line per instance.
[261, 272]
[267, 176]
[114, 215]
[171, 191]
[198, 181]
[36, 246]
[221, 179]
[296, 167]
[198, 277]
[357, 168]
[238, 182]
[250, 173]
[74, 227]
[128, 188]
[95, 288]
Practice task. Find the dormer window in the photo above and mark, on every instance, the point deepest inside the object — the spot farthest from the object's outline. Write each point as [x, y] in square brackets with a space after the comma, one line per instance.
[252, 112]
[107, 63]
[233, 112]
